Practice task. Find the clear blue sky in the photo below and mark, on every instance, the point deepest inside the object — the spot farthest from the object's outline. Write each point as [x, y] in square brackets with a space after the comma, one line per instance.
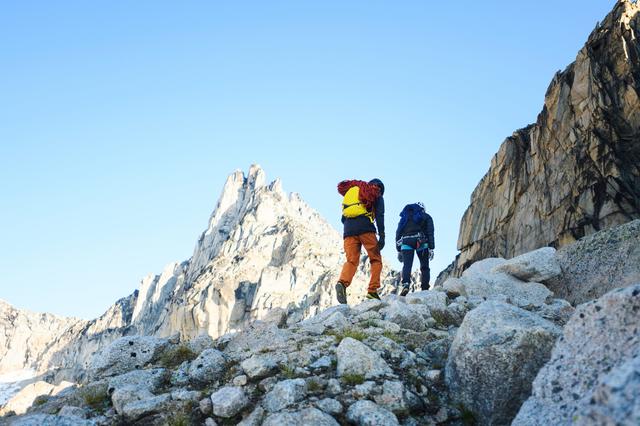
[119, 121]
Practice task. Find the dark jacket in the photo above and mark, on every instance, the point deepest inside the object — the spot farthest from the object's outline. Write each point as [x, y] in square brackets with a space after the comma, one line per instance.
[362, 224]
[412, 228]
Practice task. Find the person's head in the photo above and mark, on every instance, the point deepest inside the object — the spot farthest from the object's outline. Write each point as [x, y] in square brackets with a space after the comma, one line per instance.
[379, 184]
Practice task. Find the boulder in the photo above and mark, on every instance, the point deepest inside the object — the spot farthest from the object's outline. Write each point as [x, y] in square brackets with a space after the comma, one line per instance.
[355, 358]
[228, 401]
[284, 394]
[51, 420]
[308, 416]
[259, 366]
[537, 266]
[592, 370]
[149, 379]
[135, 410]
[599, 263]
[494, 357]
[208, 367]
[434, 300]
[330, 406]
[126, 354]
[367, 413]
[403, 315]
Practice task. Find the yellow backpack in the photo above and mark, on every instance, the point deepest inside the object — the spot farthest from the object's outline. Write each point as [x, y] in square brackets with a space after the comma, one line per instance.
[352, 206]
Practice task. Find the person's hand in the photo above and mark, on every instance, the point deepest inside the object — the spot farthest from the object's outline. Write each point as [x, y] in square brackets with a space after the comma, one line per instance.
[431, 253]
[381, 242]
[400, 257]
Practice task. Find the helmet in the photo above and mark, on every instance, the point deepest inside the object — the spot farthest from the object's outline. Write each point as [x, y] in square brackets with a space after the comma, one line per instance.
[378, 183]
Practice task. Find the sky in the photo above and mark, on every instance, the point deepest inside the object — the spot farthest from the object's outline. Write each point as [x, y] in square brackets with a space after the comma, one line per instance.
[120, 121]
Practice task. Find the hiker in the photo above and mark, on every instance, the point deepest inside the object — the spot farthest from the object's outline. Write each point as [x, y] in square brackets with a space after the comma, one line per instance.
[362, 211]
[415, 235]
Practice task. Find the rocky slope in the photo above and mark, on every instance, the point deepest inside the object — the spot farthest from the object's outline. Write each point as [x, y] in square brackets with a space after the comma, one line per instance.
[471, 352]
[262, 250]
[577, 169]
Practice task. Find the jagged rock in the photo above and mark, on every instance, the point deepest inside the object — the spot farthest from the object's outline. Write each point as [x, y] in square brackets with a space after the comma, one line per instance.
[593, 361]
[51, 420]
[393, 397]
[599, 263]
[149, 379]
[199, 343]
[206, 407]
[126, 354]
[208, 367]
[367, 413]
[535, 266]
[257, 338]
[495, 355]
[436, 301]
[135, 410]
[404, 315]
[557, 311]
[284, 394]
[71, 411]
[480, 282]
[333, 387]
[253, 419]
[228, 401]
[240, 380]
[308, 416]
[180, 376]
[210, 422]
[330, 406]
[356, 358]
[128, 394]
[365, 390]
[259, 366]
[322, 363]
[574, 171]
[186, 395]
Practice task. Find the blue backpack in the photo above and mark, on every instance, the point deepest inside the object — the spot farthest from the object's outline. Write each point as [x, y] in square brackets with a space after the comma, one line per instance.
[415, 212]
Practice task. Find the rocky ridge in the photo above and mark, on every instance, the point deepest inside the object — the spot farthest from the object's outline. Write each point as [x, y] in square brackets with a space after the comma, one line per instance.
[576, 170]
[264, 251]
[432, 357]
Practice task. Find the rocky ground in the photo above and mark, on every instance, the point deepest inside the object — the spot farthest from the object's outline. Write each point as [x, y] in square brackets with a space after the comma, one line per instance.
[472, 351]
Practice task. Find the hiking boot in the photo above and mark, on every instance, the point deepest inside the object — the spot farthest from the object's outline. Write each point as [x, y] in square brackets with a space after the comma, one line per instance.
[341, 293]
[373, 295]
[405, 290]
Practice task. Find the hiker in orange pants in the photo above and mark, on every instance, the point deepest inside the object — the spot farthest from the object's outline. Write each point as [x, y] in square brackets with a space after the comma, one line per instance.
[362, 211]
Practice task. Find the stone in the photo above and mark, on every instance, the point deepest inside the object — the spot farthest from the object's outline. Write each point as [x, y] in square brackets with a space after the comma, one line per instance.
[180, 376]
[494, 357]
[210, 422]
[254, 418]
[50, 420]
[259, 366]
[284, 394]
[453, 287]
[186, 395]
[434, 300]
[336, 321]
[333, 387]
[402, 314]
[126, 394]
[126, 354]
[367, 413]
[240, 380]
[535, 266]
[330, 406]
[208, 367]
[206, 407]
[71, 411]
[364, 390]
[500, 286]
[355, 358]
[591, 371]
[308, 416]
[135, 410]
[228, 401]
[599, 263]
[199, 343]
[276, 316]
[392, 397]
[557, 311]
[149, 379]
[322, 363]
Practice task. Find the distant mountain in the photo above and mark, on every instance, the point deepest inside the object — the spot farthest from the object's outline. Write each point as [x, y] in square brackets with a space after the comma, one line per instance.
[263, 249]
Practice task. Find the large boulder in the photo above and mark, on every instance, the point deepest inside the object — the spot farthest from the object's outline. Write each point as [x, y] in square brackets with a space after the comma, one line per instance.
[594, 367]
[537, 266]
[367, 413]
[228, 401]
[126, 354]
[406, 316]
[356, 358]
[208, 367]
[284, 394]
[495, 356]
[599, 263]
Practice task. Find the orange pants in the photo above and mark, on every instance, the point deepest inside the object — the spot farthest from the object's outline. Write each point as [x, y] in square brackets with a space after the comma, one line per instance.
[352, 246]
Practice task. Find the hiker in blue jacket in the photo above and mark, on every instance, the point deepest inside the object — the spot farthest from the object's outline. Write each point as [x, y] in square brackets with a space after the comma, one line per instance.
[415, 235]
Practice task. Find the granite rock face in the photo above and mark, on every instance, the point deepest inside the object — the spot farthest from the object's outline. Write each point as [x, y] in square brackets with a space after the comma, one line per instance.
[494, 358]
[598, 263]
[592, 376]
[577, 169]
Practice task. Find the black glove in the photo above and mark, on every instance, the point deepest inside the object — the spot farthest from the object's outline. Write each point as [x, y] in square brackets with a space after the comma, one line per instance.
[381, 242]
[400, 257]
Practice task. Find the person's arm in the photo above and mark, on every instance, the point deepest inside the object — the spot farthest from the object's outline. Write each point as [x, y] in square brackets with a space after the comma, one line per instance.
[398, 234]
[380, 215]
[428, 230]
